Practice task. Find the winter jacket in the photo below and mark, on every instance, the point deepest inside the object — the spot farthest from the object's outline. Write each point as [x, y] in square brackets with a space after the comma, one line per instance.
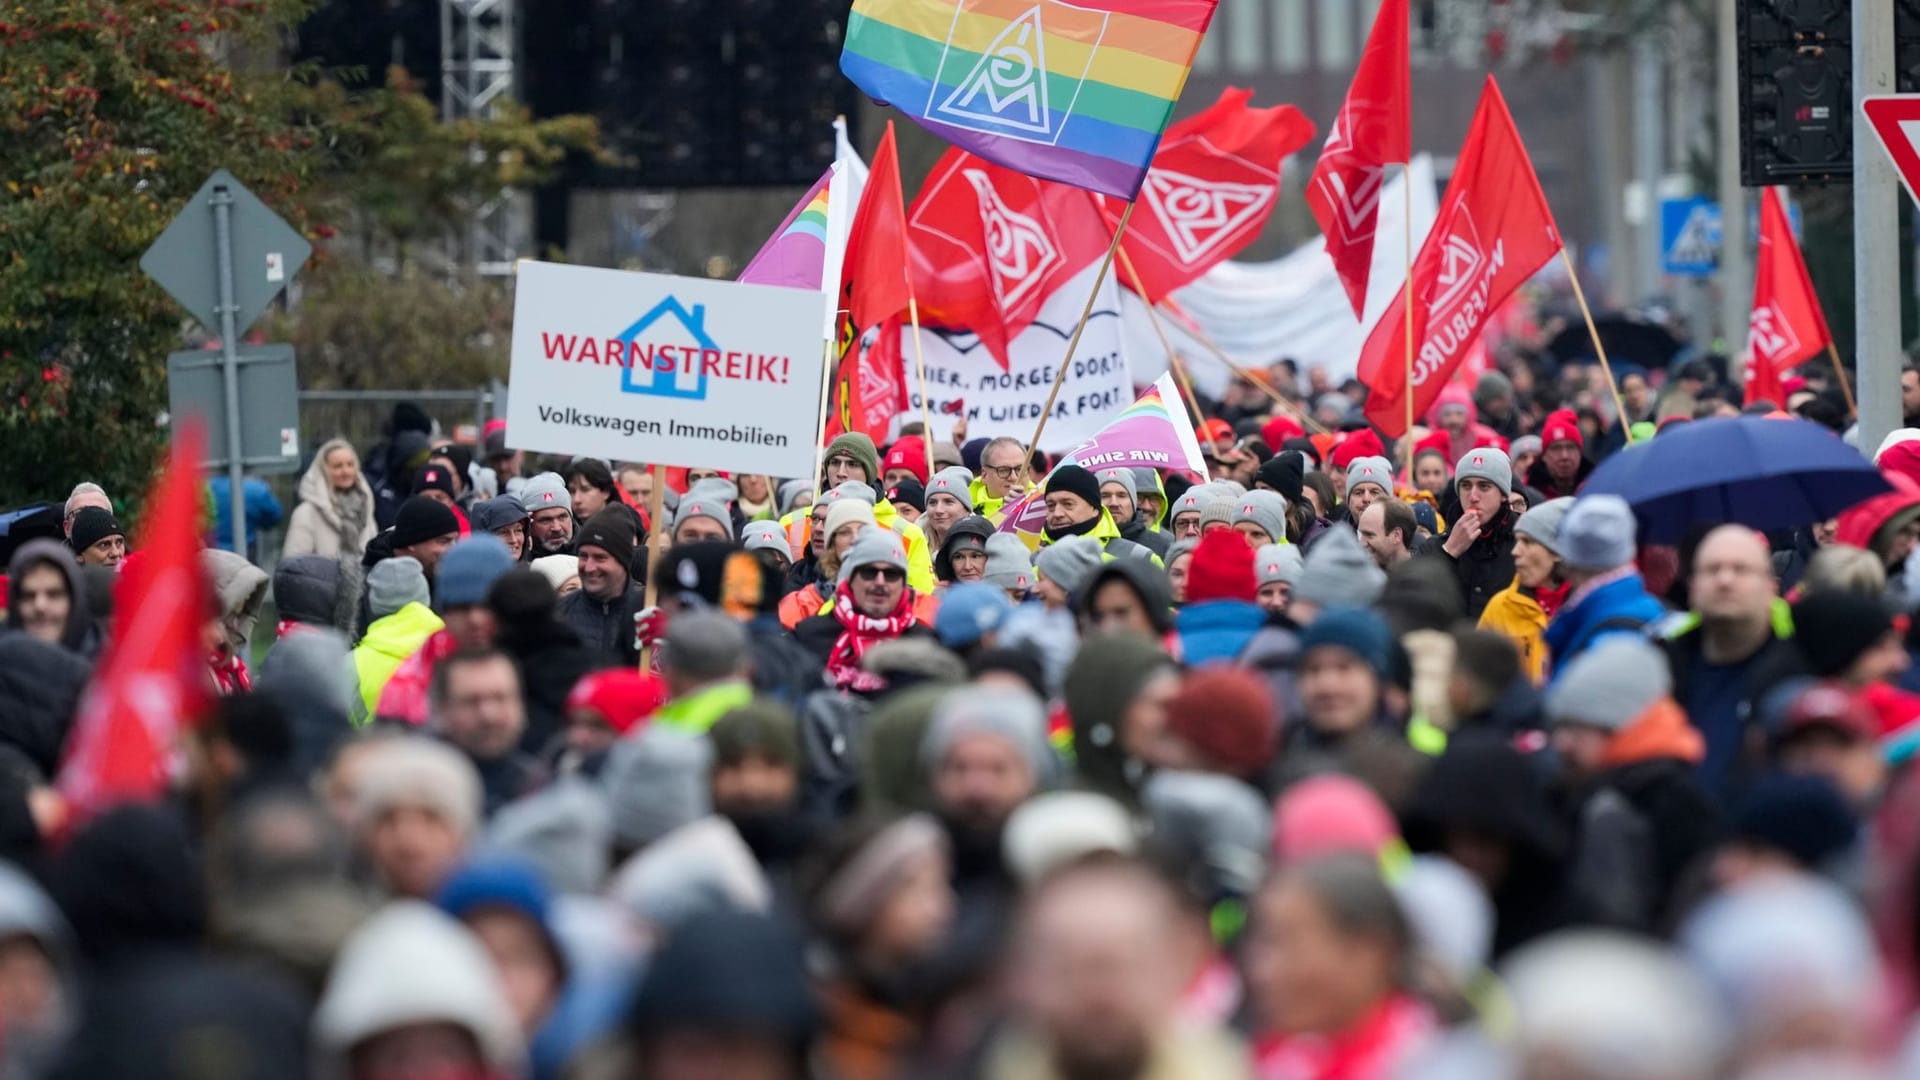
[81, 637]
[605, 627]
[1484, 568]
[551, 660]
[263, 510]
[1621, 606]
[40, 687]
[1514, 614]
[696, 713]
[318, 591]
[919, 558]
[985, 505]
[818, 634]
[241, 589]
[1641, 822]
[1790, 566]
[1740, 750]
[782, 670]
[803, 603]
[314, 528]
[1112, 544]
[387, 644]
[1541, 480]
[1136, 531]
[1273, 653]
[1216, 630]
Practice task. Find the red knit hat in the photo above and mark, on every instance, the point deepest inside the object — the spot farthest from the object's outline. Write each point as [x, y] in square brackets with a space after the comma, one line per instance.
[1222, 569]
[1561, 425]
[909, 453]
[1278, 430]
[1356, 445]
[1227, 714]
[1902, 458]
[623, 698]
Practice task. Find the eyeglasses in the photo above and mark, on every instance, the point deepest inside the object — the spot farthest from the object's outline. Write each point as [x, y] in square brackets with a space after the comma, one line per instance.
[1004, 472]
[841, 461]
[888, 574]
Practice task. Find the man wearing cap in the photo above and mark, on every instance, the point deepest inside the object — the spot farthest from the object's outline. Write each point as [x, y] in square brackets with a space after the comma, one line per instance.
[1120, 494]
[423, 530]
[1388, 532]
[1596, 547]
[97, 538]
[1830, 732]
[549, 514]
[1355, 446]
[601, 612]
[909, 499]
[948, 500]
[872, 603]
[1627, 758]
[1260, 517]
[505, 518]
[1520, 612]
[1369, 479]
[766, 536]
[435, 481]
[1074, 509]
[397, 598]
[1276, 570]
[1150, 494]
[702, 518]
[1563, 466]
[466, 577]
[985, 752]
[1479, 546]
[1009, 565]
[495, 455]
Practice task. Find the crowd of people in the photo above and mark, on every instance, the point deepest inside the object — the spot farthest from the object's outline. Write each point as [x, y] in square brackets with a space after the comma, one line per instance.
[1355, 759]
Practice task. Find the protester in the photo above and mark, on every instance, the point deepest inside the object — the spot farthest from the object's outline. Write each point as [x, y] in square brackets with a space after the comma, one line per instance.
[1609, 597]
[550, 521]
[1479, 544]
[1002, 476]
[1522, 611]
[1388, 532]
[602, 610]
[398, 599]
[97, 539]
[1563, 467]
[505, 518]
[1074, 509]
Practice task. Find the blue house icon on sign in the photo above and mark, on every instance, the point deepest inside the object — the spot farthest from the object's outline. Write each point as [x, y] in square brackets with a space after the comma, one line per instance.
[675, 383]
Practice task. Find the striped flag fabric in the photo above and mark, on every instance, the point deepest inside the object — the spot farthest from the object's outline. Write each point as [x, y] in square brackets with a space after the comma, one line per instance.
[796, 254]
[1074, 92]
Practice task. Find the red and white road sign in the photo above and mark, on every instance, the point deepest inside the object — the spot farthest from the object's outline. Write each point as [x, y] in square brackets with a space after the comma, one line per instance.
[1895, 118]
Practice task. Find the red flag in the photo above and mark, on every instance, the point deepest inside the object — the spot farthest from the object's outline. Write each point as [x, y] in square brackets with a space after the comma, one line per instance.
[1786, 328]
[1494, 230]
[870, 385]
[873, 280]
[1214, 184]
[990, 245]
[153, 680]
[1374, 129]
[1763, 384]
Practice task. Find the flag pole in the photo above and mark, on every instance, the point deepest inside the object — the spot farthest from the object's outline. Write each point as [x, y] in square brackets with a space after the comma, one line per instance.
[656, 505]
[826, 394]
[1159, 331]
[920, 362]
[1279, 399]
[1086, 313]
[1600, 350]
[1846, 388]
[1406, 185]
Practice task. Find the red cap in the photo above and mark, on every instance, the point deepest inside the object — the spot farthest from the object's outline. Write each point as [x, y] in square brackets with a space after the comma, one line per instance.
[1222, 569]
[909, 453]
[1561, 426]
[1356, 445]
[1830, 705]
[1217, 430]
[1279, 429]
[622, 697]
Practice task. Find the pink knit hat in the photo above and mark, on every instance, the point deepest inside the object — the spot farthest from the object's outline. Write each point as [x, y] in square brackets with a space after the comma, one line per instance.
[1330, 815]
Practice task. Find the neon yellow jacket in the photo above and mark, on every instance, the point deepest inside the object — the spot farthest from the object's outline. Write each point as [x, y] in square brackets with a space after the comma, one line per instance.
[984, 504]
[389, 641]
[696, 713]
[1107, 532]
[919, 553]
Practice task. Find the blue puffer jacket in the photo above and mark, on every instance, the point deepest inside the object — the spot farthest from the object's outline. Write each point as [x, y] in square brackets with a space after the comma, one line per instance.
[1216, 630]
[1618, 607]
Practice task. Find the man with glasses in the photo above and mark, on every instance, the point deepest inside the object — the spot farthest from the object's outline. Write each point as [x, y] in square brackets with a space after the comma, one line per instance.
[1003, 476]
[85, 494]
[550, 514]
[871, 604]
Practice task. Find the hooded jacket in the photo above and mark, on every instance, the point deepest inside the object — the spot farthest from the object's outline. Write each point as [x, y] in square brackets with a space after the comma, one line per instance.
[387, 644]
[241, 588]
[1149, 583]
[40, 687]
[80, 637]
[971, 525]
[1217, 630]
[1514, 614]
[1475, 435]
[1138, 531]
[314, 528]
[318, 591]
[1621, 606]
[1871, 525]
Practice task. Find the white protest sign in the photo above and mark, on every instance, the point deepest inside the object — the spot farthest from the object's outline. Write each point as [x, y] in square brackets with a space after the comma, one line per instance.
[961, 373]
[664, 370]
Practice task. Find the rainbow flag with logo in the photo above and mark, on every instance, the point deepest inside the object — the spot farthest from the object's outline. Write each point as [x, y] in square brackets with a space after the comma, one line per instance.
[1075, 92]
[1154, 432]
[796, 254]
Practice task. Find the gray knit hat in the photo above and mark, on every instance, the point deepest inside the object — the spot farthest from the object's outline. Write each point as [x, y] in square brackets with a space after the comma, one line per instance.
[394, 583]
[715, 489]
[1338, 572]
[791, 491]
[1267, 509]
[1123, 477]
[765, 534]
[1193, 502]
[952, 482]
[1218, 507]
[1609, 685]
[656, 781]
[876, 547]
[1179, 548]
[1277, 563]
[1524, 445]
[1542, 523]
[1489, 464]
[1069, 563]
[544, 492]
[1009, 563]
[691, 507]
[853, 489]
[1371, 470]
[1012, 714]
[1598, 533]
[1146, 478]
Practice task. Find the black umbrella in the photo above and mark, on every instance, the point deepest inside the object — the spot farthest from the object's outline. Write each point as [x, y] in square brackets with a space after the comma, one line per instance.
[1628, 341]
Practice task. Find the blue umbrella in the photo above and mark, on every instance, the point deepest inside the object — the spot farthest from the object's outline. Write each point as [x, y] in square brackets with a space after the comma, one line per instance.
[1767, 474]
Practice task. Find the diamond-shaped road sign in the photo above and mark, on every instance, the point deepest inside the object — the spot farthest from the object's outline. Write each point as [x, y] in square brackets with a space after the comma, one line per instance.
[1895, 119]
[267, 252]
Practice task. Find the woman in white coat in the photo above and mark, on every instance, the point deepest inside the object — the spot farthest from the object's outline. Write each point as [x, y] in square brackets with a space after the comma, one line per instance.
[335, 515]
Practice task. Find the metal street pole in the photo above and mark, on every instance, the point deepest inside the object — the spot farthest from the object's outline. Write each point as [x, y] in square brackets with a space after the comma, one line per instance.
[1649, 161]
[1876, 234]
[230, 362]
[1736, 284]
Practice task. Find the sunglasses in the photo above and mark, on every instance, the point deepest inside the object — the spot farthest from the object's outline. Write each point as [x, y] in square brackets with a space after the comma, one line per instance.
[880, 573]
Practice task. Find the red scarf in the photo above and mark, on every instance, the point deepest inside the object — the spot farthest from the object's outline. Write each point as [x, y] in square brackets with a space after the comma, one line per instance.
[857, 633]
[229, 673]
[1370, 1050]
[1551, 599]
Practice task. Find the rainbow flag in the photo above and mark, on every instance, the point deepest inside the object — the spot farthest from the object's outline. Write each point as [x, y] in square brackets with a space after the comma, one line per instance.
[1154, 431]
[796, 254]
[1075, 92]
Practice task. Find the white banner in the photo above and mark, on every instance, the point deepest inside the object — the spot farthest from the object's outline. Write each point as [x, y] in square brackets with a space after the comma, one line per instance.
[961, 373]
[664, 370]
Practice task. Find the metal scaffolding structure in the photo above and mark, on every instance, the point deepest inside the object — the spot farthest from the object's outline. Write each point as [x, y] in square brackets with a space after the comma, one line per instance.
[477, 46]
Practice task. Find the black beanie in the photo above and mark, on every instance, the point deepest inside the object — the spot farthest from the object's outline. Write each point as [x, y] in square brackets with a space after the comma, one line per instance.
[613, 531]
[1285, 473]
[434, 478]
[1075, 480]
[909, 491]
[92, 525]
[1833, 629]
[421, 519]
[1305, 446]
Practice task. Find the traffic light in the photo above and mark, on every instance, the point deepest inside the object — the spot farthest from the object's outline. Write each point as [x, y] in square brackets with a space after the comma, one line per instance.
[1796, 87]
